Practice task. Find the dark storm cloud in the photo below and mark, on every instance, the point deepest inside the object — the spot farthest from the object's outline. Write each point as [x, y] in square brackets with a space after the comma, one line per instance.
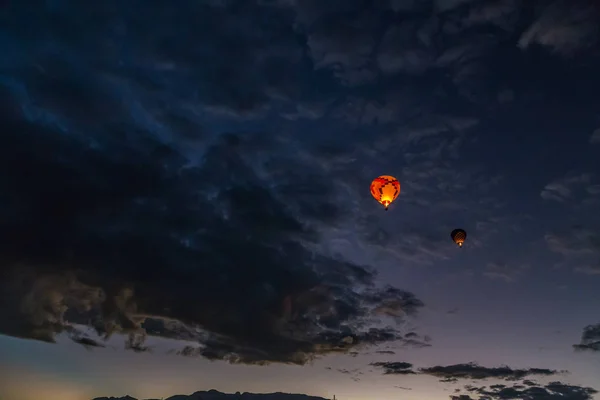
[590, 339]
[130, 239]
[244, 58]
[126, 211]
[551, 391]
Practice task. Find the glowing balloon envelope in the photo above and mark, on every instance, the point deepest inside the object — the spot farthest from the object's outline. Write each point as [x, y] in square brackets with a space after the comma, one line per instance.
[459, 236]
[385, 189]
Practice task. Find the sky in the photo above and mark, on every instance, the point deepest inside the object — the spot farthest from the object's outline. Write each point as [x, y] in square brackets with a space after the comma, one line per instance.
[185, 198]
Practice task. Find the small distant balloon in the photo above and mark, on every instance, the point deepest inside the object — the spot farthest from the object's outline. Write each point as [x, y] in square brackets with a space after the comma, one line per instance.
[459, 236]
[385, 189]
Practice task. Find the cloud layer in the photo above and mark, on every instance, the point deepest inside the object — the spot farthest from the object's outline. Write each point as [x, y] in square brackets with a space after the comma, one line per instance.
[144, 244]
[522, 387]
[191, 180]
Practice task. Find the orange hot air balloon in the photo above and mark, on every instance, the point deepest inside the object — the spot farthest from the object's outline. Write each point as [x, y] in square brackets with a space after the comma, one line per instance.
[385, 189]
[459, 236]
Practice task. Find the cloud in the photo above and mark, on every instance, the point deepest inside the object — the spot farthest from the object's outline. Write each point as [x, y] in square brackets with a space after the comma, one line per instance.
[573, 187]
[590, 339]
[595, 136]
[476, 372]
[504, 272]
[556, 191]
[395, 368]
[344, 43]
[456, 372]
[133, 240]
[136, 214]
[248, 67]
[564, 28]
[520, 388]
[551, 391]
[580, 246]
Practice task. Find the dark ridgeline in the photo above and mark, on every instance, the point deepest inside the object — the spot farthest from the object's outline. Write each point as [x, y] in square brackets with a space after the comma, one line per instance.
[216, 395]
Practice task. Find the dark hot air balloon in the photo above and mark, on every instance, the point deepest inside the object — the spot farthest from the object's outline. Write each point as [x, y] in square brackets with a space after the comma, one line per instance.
[385, 189]
[459, 236]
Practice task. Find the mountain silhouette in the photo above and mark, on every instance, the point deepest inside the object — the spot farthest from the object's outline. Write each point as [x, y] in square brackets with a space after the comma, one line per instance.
[216, 395]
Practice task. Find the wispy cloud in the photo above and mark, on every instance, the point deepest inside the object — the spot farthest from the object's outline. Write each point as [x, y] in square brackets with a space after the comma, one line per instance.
[505, 272]
[595, 136]
[567, 188]
[564, 29]
[579, 246]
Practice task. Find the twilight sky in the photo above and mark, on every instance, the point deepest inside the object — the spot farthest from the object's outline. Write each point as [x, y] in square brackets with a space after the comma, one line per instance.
[185, 198]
